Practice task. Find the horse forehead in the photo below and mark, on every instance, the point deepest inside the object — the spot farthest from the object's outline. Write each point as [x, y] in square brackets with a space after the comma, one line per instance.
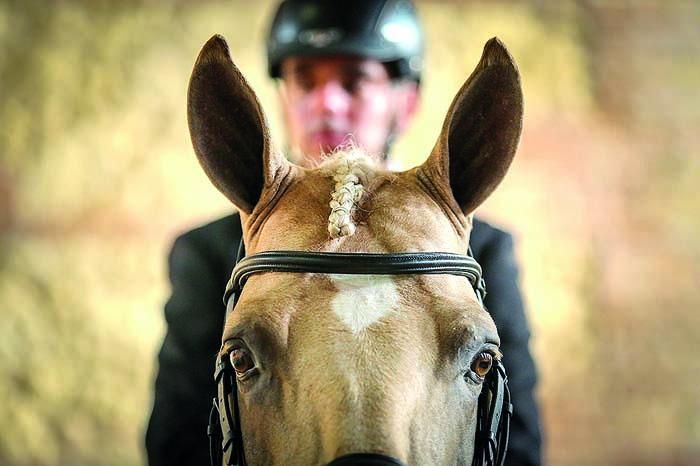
[342, 304]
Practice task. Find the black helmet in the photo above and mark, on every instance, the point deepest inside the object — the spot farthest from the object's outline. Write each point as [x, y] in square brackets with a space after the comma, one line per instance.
[386, 30]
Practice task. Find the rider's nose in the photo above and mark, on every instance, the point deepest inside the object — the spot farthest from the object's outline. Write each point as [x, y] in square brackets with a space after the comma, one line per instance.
[365, 459]
[330, 98]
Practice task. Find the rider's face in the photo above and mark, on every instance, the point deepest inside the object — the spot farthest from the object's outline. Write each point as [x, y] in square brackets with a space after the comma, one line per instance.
[328, 101]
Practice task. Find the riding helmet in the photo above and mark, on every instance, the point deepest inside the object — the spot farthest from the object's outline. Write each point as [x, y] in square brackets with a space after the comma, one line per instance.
[386, 30]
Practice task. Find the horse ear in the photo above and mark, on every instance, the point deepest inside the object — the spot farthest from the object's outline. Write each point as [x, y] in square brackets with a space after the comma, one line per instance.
[228, 128]
[481, 131]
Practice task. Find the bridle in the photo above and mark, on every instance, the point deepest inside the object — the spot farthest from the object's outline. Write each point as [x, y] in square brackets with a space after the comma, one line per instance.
[494, 409]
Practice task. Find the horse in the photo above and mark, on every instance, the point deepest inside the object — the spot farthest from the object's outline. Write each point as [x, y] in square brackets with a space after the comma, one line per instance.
[329, 356]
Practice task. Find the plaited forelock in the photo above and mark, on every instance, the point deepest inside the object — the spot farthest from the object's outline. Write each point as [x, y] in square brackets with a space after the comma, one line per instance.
[348, 168]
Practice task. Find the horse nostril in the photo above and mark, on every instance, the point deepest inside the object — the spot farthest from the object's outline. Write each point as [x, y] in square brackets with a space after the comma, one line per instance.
[365, 459]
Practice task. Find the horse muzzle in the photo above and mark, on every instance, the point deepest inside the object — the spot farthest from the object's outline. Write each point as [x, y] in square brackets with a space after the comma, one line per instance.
[365, 459]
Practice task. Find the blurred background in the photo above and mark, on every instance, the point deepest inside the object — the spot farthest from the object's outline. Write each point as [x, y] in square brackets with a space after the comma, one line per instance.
[97, 175]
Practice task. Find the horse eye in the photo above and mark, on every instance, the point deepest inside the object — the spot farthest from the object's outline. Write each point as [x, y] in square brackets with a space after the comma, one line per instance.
[242, 361]
[482, 364]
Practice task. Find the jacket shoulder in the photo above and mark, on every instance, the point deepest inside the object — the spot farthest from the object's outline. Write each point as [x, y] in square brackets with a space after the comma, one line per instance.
[485, 236]
[217, 239]
[221, 227]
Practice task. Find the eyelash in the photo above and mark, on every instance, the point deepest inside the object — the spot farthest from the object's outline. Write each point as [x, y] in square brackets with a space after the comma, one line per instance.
[470, 375]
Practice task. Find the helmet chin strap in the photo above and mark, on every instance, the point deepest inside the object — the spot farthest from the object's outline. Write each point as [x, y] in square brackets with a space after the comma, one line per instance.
[391, 136]
[393, 132]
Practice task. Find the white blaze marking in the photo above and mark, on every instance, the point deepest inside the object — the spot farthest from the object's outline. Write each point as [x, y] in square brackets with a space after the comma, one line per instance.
[363, 299]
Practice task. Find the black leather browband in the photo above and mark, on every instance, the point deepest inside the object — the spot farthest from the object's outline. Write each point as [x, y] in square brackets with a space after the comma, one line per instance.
[404, 263]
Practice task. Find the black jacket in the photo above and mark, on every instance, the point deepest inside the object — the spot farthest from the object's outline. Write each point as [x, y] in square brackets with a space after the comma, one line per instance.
[200, 264]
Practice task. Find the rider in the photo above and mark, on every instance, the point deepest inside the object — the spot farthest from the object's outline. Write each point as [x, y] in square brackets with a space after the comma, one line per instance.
[344, 68]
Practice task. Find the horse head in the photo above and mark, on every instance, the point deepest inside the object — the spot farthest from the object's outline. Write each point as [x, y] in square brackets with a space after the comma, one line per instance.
[328, 365]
